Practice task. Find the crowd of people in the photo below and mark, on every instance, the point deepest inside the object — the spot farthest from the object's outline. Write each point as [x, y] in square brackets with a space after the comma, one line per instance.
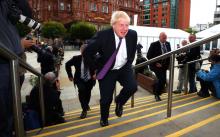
[107, 57]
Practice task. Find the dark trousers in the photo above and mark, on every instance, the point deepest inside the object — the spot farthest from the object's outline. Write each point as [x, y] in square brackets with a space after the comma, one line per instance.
[191, 75]
[126, 78]
[205, 87]
[6, 113]
[161, 75]
[84, 89]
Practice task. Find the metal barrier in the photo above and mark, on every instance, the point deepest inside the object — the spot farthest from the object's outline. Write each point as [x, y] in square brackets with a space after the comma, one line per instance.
[15, 61]
[172, 55]
[186, 72]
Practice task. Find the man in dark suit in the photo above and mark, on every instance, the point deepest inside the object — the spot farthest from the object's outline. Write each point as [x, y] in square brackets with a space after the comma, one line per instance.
[192, 54]
[160, 67]
[105, 43]
[83, 78]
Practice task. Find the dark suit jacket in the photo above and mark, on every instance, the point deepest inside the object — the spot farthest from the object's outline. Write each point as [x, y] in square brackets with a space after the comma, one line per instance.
[76, 62]
[193, 54]
[103, 43]
[154, 51]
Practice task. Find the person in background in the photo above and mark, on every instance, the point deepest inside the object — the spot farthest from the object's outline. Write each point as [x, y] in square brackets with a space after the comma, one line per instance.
[53, 104]
[192, 54]
[46, 58]
[116, 47]
[160, 67]
[83, 79]
[9, 39]
[182, 69]
[210, 80]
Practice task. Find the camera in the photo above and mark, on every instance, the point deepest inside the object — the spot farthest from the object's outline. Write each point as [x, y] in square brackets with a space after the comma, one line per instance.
[29, 22]
[15, 15]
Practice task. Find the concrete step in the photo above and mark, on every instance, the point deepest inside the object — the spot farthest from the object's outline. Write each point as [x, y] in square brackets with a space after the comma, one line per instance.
[146, 118]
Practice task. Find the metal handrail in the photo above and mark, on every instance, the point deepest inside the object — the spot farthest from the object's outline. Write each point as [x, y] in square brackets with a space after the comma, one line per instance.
[190, 62]
[172, 55]
[14, 61]
[182, 49]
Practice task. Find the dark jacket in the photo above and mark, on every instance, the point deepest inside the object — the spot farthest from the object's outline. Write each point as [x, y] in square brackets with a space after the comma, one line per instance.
[76, 62]
[46, 60]
[154, 51]
[193, 54]
[103, 43]
[52, 101]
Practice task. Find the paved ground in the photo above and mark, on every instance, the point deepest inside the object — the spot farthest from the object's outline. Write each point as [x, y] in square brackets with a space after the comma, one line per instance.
[68, 92]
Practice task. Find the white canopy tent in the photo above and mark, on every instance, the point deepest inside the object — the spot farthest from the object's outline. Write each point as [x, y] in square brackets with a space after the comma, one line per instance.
[147, 35]
[207, 33]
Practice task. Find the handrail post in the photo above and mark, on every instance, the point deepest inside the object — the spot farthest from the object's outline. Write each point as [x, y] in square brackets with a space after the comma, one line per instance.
[169, 102]
[132, 97]
[186, 78]
[41, 96]
[115, 92]
[132, 101]
[16, 95]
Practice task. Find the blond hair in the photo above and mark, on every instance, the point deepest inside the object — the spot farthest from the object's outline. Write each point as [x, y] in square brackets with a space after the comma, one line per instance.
[116, 15]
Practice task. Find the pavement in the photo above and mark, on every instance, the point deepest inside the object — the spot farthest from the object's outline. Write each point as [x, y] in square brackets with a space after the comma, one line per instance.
[69, 94]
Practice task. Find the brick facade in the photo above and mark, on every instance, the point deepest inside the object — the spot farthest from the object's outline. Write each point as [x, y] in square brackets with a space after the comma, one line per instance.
[166, 13]
[94, 11]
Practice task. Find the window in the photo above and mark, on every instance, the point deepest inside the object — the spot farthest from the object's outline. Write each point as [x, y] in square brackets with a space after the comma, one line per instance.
[147, 17]
[105, 8]
[49, 7]
[155, 1]
[163, 22]
[126, 4]
[77, 5]
[155, 6]
[93, 6]
[147, 22]
[147, 2]
[164, 4]
[61, 6]
[68, 7]
[129, 3]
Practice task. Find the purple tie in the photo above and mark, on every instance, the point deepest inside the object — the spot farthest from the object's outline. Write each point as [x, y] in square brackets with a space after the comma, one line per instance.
[108, 64]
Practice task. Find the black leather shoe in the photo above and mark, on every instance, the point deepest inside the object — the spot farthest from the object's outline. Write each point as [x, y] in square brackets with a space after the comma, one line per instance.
[103, 123]
[118, 110]
[203, 95]
[157, 98]
[177, 92]
[83, 114]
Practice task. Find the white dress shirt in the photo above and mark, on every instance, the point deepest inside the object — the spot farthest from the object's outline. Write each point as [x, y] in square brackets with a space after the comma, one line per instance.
[83, 71]
[121, 57]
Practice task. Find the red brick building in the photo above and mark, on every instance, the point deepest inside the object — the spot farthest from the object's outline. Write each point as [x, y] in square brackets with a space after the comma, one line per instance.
[166, 13]
[94, 11]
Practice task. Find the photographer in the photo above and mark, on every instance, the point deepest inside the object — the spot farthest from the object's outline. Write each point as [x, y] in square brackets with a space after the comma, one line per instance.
[10, 39]
[46, 58]
[210, 80]
[182, 69]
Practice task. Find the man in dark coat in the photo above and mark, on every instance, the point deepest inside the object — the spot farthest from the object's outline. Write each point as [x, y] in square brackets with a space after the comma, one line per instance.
[192, 54]
[53, 104]
[160, 67]
[119, 38]
[10, 39]
[83, 78]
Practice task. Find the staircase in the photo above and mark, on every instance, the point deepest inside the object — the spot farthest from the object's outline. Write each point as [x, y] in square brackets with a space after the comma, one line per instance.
[191, 116]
